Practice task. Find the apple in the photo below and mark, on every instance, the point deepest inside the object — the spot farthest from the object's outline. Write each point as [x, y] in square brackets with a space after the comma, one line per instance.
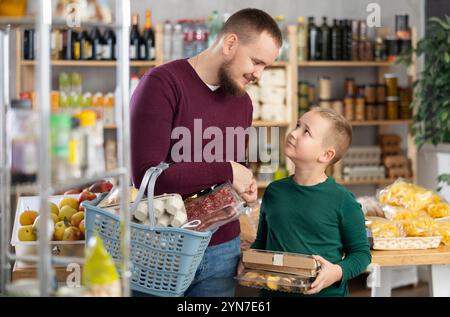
[72, 234]
[86, 195]
[54, 209]
[60, 227]
[82, 227]
[101, 187]
[26, 233]
[67, 212]
[76, 218]
[71, 201]
[27, 217]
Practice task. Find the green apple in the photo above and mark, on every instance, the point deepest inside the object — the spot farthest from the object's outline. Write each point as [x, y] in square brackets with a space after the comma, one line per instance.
[60, 227]
[26, 233]
[67, 212]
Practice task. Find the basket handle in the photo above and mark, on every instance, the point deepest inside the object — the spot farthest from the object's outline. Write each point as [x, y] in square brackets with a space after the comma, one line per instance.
[149, 181]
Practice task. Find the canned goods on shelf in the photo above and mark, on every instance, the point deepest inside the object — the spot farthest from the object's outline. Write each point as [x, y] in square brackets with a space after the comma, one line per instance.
[338, 106]
[349, 108]
[370, 93]
[360, 109]
[324, 88]
[381, 111]
[371, 112]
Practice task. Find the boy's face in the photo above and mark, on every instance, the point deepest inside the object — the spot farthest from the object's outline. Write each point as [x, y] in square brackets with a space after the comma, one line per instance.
[307, 142]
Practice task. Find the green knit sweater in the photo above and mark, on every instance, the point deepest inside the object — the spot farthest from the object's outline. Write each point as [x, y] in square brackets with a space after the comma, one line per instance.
[322, 219]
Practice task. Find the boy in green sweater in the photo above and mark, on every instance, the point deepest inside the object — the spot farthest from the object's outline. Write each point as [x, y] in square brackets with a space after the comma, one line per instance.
[309, 213]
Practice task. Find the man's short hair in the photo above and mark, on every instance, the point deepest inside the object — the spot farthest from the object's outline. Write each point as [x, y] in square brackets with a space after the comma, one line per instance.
[247, 23]
[340, 134]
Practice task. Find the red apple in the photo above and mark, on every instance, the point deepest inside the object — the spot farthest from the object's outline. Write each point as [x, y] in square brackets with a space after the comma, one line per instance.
[101, 186]
[86, 195]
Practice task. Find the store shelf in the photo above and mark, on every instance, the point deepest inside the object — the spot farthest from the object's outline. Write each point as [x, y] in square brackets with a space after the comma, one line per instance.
[262, 123]
[380, 122]
[64, 63]
[30, 21]
[344, 64]
[381, 182]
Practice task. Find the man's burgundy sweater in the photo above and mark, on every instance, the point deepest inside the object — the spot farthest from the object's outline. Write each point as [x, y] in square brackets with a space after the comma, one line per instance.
[171, 96]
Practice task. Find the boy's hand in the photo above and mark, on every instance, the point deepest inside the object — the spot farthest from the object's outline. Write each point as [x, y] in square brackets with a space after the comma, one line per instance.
[329, 273]
[251, 194]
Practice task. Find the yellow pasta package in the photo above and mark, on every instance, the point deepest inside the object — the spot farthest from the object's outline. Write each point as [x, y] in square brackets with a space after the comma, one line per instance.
[423, 226]
[414, 198]
[443, 228]
[386, 229]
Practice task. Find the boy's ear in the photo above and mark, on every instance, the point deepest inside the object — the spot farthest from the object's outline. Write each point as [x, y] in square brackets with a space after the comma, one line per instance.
[328, 155]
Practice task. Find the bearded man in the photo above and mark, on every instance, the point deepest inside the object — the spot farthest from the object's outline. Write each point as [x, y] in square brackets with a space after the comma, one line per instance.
[206, 89]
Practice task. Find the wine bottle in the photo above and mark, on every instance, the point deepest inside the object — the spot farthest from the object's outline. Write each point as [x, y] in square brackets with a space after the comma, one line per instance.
[86, 46]
[148, 38]
[135, 38]
[336, 41]
[313, 40]
[325, 40]
[97, 44]
[109, 45]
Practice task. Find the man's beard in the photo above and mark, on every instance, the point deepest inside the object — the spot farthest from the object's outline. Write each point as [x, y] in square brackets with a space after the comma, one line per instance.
[227, 83]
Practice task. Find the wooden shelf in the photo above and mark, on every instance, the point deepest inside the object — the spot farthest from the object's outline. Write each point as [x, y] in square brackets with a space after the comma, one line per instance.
[380, 122]
[262, 123]
[65, 63]
[385, 182]
[345, 64]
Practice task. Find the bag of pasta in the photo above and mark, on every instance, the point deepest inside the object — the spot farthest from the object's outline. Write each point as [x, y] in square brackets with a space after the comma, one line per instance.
[402, 195]
[443, 229]
[386, 229]
[422, 226]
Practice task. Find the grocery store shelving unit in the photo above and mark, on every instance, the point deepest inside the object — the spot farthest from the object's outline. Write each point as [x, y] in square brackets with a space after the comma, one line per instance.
[383, 126]
[38, 79]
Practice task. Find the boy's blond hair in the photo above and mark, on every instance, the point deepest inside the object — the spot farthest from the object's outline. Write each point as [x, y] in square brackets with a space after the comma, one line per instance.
[340, 134]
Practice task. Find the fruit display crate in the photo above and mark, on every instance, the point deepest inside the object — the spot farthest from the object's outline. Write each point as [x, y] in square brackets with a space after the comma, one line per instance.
[59, 248]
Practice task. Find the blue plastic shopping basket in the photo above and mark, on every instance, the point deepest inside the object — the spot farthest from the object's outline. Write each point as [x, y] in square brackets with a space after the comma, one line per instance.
[163, 260]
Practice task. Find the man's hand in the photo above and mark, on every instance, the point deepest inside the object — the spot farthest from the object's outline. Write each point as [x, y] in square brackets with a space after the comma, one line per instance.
[251, 195]
[242, 177]
[329, 273]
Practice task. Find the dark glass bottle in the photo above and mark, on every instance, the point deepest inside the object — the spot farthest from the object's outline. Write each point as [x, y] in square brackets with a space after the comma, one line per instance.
[148, 38]
[135, 38]
[67, 44]
[348, 43]
[336, 41]
[97, 44]
[325, 40]
[313, 40]
[109, 45]
[28, 44]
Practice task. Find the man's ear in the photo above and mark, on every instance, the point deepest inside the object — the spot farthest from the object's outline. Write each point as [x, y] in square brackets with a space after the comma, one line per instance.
[230, 42]
[328, 155]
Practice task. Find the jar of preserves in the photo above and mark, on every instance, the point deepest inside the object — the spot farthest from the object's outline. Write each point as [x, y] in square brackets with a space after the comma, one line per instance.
[349, 108]
[360, 109]
[391, 85]
[392, 108]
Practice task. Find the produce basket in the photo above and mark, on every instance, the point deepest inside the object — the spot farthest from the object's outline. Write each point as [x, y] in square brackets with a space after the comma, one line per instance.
[163, 260]
[58, 248]
[409, 243]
